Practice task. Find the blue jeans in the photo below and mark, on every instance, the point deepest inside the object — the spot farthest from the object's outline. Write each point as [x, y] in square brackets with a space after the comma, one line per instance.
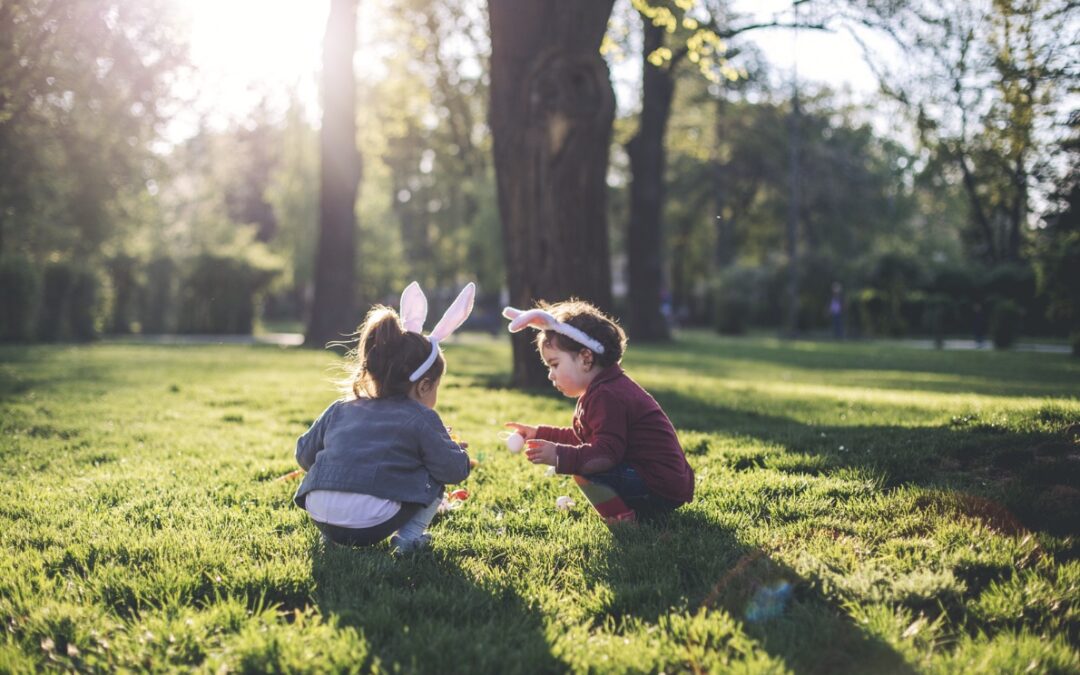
[630, 487]
[409, 523]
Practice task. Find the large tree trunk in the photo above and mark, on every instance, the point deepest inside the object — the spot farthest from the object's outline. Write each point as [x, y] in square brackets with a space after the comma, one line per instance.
[725, 253]
[551, 115]
[647, 162]
[791, 321]
[1018, 212]
[333, 313]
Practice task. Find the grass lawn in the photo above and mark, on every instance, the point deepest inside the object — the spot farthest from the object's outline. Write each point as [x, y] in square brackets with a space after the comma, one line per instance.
[859, 509]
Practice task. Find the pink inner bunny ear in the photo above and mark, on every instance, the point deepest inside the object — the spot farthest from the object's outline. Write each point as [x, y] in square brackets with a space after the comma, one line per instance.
[413, 308]
[456, 315]
[537, 318]
[512, 313]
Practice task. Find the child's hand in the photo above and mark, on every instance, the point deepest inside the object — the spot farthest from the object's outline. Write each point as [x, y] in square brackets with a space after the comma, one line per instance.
[540, 452]
[527, 432]
[464, 445]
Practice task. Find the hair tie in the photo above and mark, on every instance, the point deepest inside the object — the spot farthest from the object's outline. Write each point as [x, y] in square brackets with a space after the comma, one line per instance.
[541, 320]
[413, 313]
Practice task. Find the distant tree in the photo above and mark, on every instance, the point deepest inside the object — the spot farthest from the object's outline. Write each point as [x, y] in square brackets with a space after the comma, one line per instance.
[551, 114]
[700, 31]
[1058, 245]
[431, 112]
[293, 194]
[863, 194]
[985, 81]
[258, 146]
[83, 89]
[647, 163]
[333, 312]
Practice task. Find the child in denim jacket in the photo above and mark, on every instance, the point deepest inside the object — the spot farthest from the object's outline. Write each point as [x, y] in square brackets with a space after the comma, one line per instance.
[378, 459]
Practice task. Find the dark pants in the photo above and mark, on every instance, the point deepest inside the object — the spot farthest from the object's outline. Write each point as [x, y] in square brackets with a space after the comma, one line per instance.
[626, 482]
[366, 536]
[838, 326]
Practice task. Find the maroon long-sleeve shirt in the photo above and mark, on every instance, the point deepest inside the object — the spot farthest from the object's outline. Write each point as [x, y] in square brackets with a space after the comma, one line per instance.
[618, 421]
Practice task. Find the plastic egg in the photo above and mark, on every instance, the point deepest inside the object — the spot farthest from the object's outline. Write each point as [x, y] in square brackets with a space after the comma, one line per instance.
[515, 442]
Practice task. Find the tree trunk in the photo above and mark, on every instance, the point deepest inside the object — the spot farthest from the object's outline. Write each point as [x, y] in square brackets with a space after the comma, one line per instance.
[791, 322]
[647, 162]
[724, 254]
[1018, 212]
[333, 313]
[982, 219]
[551, 115]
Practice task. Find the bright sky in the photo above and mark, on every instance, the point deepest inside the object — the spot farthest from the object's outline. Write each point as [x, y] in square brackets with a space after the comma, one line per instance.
[246, 50]
[834, 58]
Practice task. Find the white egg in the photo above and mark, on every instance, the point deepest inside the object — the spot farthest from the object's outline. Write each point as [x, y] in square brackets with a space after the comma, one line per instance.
[515, 442]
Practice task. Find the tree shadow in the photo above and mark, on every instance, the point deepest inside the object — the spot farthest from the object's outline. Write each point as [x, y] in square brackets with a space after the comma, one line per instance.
[26, 368]
[986, 373]
[424, 609]
[1031, 473]
[688, 561]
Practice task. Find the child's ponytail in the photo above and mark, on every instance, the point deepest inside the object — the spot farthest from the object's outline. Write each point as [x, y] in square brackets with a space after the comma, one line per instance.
[386, 354]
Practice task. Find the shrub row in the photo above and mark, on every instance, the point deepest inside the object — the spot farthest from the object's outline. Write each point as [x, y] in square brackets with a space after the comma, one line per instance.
[68, 300]
[889, 295]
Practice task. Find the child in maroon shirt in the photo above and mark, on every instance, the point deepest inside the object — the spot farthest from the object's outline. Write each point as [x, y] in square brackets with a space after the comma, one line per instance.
[622, 449]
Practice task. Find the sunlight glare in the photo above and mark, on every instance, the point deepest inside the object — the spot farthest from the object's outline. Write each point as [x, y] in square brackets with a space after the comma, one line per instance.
[245, 51]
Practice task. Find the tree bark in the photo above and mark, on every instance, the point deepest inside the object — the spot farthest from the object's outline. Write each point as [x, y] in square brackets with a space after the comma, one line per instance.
[333, 313]
[981, 217]
[791, 322]
[647, 162]
[551, 115]
[725, 253]
[1018, 212]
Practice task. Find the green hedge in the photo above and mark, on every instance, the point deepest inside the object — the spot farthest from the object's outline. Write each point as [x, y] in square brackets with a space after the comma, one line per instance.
[219, 294]
[20, 281]
[1006, 317]
[68, 303]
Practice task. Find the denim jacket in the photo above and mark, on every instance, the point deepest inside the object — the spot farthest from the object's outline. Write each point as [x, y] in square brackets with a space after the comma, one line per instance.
[395, 448]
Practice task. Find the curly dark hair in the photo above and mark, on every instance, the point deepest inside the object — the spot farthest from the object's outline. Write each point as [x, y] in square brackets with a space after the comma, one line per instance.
[589, 320]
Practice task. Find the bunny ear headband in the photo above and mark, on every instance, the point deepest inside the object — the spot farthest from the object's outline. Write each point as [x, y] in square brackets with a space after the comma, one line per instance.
[414, 312]
[541, 320]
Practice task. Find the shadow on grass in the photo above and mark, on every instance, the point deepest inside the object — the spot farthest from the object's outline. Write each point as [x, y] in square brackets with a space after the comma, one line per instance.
[424, 610]
[986, 373]
[690, 560]
[1033, 473]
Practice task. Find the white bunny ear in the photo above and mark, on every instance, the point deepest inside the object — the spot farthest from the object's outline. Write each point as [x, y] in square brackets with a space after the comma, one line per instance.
[537, 318]
[413, 308]
[541, 320]
[455, 315]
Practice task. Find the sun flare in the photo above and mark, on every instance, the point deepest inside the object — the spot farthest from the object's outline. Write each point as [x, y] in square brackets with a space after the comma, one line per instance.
[245, 50]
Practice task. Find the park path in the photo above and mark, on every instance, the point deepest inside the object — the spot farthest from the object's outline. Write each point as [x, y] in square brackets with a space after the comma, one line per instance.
[971, 345]
[278, 339]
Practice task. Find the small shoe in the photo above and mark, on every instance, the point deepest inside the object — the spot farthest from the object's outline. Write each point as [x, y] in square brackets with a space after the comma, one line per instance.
[400, 546]
[620, 519]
